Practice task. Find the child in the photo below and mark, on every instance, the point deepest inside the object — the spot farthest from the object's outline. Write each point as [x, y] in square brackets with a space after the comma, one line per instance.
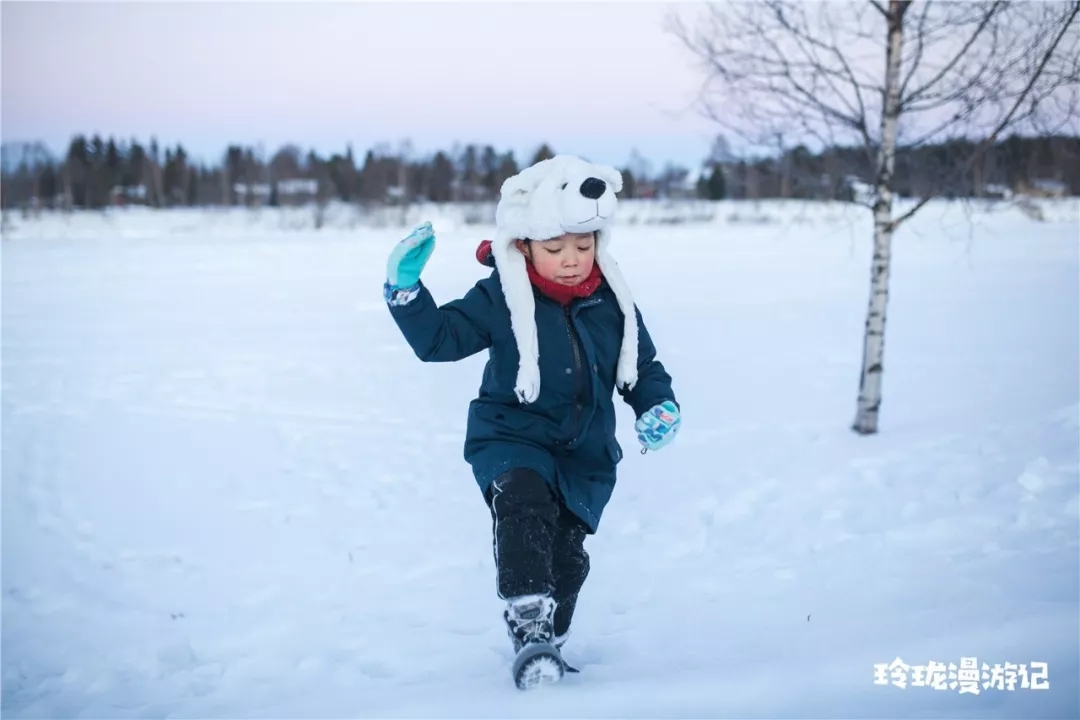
[562, 335]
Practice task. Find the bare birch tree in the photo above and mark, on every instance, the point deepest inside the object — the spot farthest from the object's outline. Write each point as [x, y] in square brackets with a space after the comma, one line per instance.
[887, 75]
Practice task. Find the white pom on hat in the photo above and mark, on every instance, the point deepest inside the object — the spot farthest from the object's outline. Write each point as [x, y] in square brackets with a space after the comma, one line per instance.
[564, 194]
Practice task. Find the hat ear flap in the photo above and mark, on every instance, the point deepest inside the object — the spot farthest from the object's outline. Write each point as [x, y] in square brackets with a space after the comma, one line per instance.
[517, 291]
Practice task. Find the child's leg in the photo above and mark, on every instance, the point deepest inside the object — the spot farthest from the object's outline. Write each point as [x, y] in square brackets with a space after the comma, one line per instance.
[570, 567]
[524, 514]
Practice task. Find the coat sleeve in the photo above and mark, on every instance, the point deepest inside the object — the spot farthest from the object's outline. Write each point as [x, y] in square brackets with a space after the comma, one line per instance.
[446, 333]
[653, 383]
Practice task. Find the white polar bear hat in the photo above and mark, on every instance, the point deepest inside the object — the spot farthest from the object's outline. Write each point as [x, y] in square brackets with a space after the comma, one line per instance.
[564, 194]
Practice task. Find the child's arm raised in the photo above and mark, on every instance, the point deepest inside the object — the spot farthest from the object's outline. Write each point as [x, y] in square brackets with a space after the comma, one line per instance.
[448, 333]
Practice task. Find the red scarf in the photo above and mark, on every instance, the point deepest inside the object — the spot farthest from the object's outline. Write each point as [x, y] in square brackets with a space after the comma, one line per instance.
[562, 294]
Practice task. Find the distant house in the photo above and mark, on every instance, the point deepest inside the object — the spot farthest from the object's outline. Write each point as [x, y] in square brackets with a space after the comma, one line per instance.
[128, 195]
[1048, 189]
[292, 191]
[690, 185]
[298, 188]
[996, 191]
[861, 191]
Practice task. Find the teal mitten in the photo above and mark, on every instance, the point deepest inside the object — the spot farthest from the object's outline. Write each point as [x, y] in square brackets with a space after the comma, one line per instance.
[409, 257]
[658, 426]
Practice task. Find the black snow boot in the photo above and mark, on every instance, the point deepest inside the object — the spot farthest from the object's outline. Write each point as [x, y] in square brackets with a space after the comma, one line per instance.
[558, 641]
[529, 621]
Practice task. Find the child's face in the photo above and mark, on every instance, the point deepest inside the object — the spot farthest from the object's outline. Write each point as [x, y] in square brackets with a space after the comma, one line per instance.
[567, 259]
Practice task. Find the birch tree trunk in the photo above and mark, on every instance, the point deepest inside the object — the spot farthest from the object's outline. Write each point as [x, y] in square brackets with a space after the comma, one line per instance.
[870, 379]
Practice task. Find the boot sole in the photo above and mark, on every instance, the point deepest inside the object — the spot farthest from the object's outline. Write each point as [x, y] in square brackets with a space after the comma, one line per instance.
[537, 665]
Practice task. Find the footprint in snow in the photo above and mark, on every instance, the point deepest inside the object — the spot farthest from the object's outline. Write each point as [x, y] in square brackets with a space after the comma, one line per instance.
[786, 574]
[376, 670]
[1035, 478]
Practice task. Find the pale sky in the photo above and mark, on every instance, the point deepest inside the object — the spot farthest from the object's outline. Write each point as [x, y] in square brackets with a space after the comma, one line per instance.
[595, 79]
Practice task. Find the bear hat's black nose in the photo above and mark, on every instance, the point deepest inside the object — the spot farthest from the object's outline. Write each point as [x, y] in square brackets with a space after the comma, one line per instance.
[593, 188]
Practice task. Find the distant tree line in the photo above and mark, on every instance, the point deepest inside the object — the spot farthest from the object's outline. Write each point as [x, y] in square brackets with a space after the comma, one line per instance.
[96, 172]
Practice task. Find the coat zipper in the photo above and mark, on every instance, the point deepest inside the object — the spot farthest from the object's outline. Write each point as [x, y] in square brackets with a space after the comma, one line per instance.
[578, 373]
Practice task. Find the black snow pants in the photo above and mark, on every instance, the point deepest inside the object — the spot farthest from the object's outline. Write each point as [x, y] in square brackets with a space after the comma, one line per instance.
[538, 543]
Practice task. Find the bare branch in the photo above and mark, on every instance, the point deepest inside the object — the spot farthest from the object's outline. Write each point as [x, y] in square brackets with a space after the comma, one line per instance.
[967, 71]
[920, 46]
[806, 45]
[1007, 120]
[817, 76]
[926, 87]
[772, 67]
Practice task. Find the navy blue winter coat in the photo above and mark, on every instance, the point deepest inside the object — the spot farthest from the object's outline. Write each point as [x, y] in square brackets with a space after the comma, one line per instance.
[568, 433]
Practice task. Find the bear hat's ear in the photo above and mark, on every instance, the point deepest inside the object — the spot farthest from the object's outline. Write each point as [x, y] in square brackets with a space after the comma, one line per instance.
[526, 181]
[609, 175]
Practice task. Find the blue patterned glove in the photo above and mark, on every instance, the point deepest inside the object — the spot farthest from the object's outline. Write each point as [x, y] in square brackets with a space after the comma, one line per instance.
[658, 426]
[409, 257]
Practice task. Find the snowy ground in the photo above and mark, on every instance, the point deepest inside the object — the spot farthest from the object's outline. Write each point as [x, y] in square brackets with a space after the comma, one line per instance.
[230, 490]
